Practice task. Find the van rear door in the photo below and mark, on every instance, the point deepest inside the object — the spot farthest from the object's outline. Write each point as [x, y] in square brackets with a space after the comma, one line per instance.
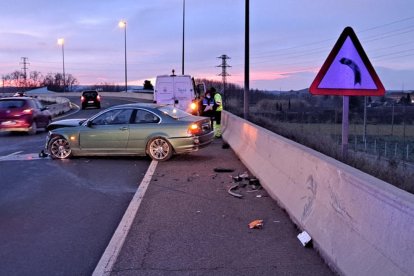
[184, 92]
[164, 91]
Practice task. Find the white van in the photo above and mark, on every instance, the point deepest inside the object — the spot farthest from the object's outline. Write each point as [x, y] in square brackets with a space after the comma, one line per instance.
[179, 91]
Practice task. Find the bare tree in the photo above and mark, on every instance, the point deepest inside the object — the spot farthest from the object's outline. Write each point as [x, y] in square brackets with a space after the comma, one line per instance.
[15, 79]
[54, 81]
[35, 79]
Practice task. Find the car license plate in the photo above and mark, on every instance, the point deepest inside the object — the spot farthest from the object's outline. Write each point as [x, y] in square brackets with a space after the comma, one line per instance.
[90, 101]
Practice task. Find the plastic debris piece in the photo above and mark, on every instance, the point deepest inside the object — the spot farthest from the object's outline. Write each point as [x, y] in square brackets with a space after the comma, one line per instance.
[244, 175]
[304, 238]
[218, 169]
[254, 187]
[256, 224]
[237, 178]
[230, 191]
[254, 181]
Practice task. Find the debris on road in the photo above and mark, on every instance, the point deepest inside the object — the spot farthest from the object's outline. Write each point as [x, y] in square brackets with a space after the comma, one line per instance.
[242, 181]
[241, 177]
[244, 175]
[221, 170]
[237, 178]
[230, 191]
[254, 181]
[256, 224]
[43, 154]
[305, 239]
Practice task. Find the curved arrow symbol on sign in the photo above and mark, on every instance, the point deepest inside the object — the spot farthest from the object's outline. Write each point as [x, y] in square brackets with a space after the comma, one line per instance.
[351, 64]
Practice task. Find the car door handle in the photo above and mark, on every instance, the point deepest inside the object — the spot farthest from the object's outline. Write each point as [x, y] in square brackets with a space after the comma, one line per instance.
[123, 128]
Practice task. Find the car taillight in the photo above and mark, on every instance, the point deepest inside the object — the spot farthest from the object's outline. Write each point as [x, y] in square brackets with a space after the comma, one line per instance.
[193, 106]
[28, 111]
[82, 98]
[194, 129]
[98, 98]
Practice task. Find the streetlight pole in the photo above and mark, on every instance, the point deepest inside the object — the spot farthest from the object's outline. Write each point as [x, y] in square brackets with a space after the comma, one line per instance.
[246, 63]
[61, 42]
[182, 66]
[123, 24]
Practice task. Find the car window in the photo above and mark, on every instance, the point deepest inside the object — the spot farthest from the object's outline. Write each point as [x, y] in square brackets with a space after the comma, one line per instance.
[145, 117]
[173, 112]
[113, 117]
[6, 104]
[90, 94]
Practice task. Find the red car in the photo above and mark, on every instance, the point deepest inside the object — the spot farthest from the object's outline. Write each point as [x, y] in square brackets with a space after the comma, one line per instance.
[23, 114]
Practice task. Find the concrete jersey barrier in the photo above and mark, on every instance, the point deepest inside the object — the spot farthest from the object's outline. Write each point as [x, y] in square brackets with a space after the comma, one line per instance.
[360, 224]
[141, 95]
[63, 104]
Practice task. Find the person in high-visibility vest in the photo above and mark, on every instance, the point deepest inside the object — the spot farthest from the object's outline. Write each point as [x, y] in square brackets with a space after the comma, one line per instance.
[208, 106]
[218, 103]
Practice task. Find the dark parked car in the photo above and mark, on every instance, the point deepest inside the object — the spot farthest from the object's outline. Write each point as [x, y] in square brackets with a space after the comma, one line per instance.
[90, 98]
[130, 129]
[23, 114]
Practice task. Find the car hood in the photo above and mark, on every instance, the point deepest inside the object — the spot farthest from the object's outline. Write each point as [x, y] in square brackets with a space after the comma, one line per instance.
[65, 123]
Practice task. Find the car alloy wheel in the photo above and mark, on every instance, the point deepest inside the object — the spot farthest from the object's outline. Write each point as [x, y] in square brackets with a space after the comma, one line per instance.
[159, 149]
[59, 148]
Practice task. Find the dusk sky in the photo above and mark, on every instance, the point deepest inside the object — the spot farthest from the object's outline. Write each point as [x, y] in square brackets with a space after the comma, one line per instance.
[289, 40]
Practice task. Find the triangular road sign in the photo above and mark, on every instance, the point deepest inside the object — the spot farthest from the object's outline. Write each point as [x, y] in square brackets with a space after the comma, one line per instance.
[347, 71]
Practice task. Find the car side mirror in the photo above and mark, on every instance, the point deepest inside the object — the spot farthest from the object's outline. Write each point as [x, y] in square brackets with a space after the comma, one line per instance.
[89, 124]
[176, 101]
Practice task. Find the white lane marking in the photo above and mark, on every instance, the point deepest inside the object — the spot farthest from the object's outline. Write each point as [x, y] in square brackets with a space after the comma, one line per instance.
[21, 157]
[109, 257]
[11, 154]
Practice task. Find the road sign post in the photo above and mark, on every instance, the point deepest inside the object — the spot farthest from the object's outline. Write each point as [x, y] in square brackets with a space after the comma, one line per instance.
[347, 72]
[345, 126]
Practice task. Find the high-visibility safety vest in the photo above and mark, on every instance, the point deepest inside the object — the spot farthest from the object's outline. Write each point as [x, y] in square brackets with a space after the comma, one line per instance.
[217, 99]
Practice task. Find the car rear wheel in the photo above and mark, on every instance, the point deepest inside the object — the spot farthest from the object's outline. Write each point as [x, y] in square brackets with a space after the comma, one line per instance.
[159, 149]
[59, 148]
[33, 129]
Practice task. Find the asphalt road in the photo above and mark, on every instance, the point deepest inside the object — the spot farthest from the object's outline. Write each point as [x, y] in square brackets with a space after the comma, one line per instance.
[57, 217]
[187, 224]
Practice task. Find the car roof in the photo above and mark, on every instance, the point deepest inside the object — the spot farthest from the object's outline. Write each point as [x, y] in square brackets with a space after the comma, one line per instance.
[17, 98]
[89, 91]
[147, 105]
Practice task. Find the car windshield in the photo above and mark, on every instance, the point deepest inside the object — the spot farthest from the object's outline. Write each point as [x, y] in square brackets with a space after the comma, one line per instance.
[6, 104]
[173, 112]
